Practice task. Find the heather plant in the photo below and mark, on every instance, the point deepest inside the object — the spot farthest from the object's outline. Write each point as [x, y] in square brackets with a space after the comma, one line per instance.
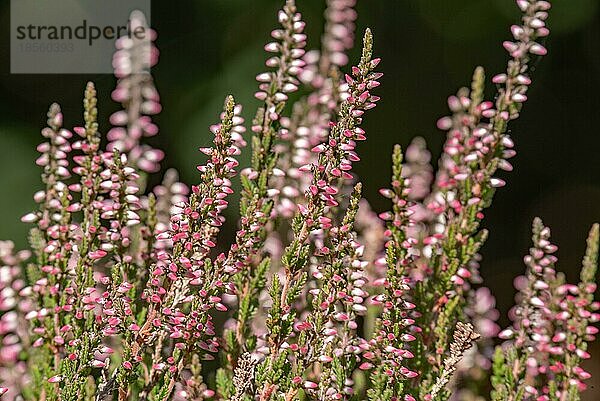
[130, 292]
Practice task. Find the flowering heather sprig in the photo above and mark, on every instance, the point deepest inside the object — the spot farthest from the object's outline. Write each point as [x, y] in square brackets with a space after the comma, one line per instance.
[273, 89]
[140, 100]
[552, 326]
[51, 242]
[120, 284]
[451, 241]
[335, 159]
[186, 285]
[308, 125]
[136, 92]
[338, 299]
[476, 147]
[290, 41]
[55, 166]
[468, 142]
[534, 291]
[256, 205]
[394, 329]
[14, 335]
[67, 253]
[336, 268]
[111, 206]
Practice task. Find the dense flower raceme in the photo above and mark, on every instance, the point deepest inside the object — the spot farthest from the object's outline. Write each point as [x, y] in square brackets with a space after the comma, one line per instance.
[337, 38]
[308, 124]
[127, 297]
[395, 328]
[444, 234]
[247, 256]
[308, 127]
[334, 161]
[552, 324]
[136, 92]
[184, 285]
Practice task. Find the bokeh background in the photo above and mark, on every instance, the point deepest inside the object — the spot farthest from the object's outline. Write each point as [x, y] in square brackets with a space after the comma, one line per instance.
[429, 50]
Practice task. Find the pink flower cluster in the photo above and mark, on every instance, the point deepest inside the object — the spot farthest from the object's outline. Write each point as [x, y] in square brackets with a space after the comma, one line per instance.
[108, 201]
[289, 47]
[389, 348]
[552, 322]
[136, 92]
[184, 286]
[308, 126]
[476, 131]
[339, 295]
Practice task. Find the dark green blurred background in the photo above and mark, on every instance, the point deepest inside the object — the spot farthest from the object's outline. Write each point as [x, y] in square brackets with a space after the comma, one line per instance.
[429, 49]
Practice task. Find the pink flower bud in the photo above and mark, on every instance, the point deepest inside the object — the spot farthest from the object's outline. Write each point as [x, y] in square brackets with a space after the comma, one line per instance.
[310, 385]
[538, 49]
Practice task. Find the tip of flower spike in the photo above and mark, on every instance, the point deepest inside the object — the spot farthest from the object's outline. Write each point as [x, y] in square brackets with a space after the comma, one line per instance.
[90, 88]
[229, 103]
[367, 51]
[368, 37]
[55, 118]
